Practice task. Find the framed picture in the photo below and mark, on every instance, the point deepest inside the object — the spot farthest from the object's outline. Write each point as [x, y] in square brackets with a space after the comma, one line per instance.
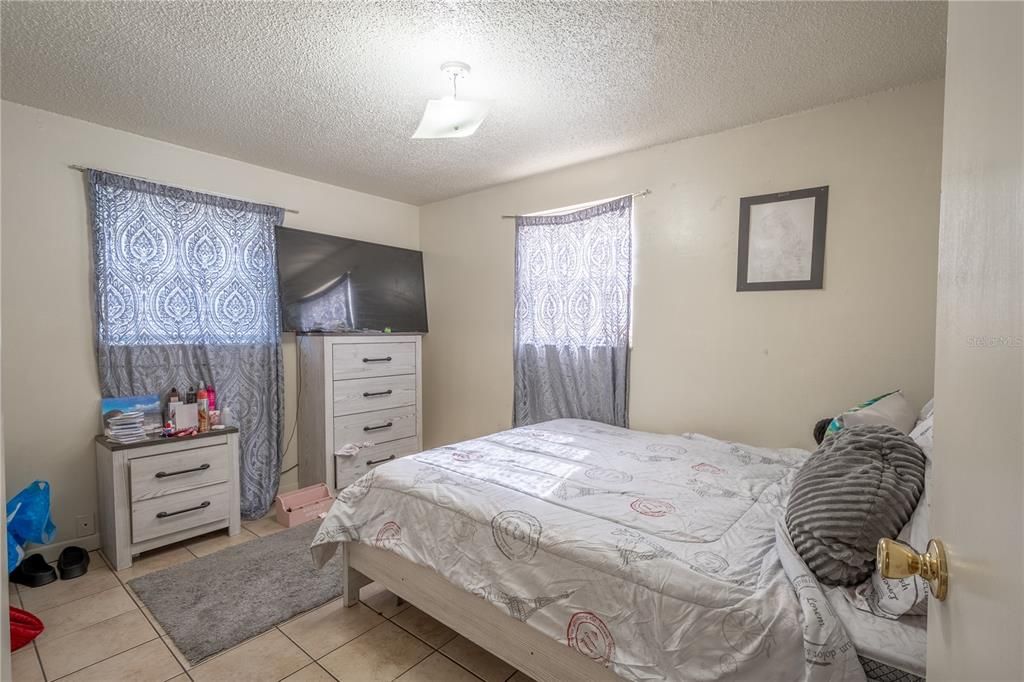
[782, 241]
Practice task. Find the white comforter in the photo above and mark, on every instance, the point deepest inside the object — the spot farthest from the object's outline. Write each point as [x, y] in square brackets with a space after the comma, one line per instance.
[654, 555]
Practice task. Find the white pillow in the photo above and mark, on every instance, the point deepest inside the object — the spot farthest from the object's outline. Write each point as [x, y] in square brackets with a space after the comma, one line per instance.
[922, 434]
[926, 411]
[892, 410]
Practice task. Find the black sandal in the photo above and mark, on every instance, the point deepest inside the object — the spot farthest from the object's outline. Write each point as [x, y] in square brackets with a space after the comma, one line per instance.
[72, 563]
[33, 571]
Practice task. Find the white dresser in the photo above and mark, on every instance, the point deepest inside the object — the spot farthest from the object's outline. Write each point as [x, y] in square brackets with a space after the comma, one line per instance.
[354, 390]
[161, 491]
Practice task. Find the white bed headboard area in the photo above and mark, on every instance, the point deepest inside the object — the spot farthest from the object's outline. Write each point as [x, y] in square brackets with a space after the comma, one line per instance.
[753, 366]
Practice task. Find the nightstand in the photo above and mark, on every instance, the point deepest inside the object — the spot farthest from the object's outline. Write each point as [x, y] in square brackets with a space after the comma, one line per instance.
[163, 490]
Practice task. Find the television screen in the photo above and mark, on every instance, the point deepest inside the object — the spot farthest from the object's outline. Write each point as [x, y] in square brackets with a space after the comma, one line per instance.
[334, 284]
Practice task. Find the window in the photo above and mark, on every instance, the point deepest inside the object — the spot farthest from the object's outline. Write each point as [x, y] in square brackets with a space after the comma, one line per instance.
[572, 314]
[173, 267]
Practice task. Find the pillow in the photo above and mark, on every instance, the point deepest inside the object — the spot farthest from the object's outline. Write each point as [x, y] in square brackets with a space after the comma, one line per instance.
[861, 485]
[898, 596]
[891, 409]
[922, 434]
[926, 411]
[895, 597]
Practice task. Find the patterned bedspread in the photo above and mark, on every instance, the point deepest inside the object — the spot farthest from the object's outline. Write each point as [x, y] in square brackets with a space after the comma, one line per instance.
[653, 555]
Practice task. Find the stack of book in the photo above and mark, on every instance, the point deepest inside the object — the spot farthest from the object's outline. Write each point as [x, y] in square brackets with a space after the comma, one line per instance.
[127, 427]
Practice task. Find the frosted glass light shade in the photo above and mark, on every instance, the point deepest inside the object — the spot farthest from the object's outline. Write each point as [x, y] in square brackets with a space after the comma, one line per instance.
[451, 118]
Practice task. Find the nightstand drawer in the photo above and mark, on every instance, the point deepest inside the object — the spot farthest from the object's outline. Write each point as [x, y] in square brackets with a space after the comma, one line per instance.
[175, 472]
[348, 469]
[380, 426]
[180, 511]
[356, 360]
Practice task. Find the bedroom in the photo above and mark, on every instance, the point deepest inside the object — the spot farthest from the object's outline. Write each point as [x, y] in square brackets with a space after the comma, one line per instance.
[302, 115]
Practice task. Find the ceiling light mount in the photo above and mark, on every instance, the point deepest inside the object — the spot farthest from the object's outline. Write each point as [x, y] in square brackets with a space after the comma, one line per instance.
[456, 70]
[451, 116]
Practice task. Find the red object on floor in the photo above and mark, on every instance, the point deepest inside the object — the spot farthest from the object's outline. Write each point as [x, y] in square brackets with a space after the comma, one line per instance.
[24, 628]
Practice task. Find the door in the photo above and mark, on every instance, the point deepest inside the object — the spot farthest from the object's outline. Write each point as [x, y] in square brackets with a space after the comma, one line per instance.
[977, 485]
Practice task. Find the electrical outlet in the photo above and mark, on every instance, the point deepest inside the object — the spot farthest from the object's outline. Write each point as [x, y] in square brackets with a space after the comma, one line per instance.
[86, 525]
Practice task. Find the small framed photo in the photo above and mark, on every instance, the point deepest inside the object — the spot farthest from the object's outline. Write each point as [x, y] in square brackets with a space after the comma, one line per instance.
[782, 241]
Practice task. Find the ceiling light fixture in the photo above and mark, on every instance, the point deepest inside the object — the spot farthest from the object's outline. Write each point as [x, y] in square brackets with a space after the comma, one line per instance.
[451, 117]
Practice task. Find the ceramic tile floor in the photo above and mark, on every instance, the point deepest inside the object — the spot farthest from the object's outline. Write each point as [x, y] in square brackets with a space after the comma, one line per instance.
[96, 629]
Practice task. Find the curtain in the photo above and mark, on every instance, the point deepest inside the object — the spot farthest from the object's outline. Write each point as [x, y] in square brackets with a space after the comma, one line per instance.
[186, 291]
[572, 314]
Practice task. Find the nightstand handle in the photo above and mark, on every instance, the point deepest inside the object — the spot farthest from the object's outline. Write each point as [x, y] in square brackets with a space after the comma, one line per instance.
[387, 359]
[378, 428]
[371, 462]
[165, 474]
[164, 515]
[376, 393]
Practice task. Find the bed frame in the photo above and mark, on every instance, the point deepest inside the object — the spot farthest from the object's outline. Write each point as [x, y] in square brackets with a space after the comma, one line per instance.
[539, 656]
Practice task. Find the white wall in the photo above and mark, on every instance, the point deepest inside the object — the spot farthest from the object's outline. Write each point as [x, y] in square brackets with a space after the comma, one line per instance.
[759, 367]
[50, 385]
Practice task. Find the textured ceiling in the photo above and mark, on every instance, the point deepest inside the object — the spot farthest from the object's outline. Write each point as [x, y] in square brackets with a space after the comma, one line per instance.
[333, 91]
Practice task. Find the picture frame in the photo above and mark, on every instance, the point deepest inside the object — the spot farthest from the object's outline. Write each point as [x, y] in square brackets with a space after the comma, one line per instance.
[782, 240]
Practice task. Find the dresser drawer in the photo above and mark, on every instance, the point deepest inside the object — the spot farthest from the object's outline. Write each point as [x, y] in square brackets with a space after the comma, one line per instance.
[176, 472]
[357, 360]
[348, 469]
[380, 426]
[378, 393]
[180, 511]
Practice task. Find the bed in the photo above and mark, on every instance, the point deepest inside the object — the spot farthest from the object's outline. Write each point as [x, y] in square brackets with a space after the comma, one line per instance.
[651, 556]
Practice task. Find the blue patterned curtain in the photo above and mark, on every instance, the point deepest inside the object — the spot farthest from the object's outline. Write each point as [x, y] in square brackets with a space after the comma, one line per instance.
[573, 291]
[186, 291]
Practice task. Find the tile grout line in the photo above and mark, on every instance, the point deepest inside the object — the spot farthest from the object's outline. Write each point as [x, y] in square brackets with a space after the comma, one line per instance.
[175, 658]
[396, 677]
[39, 660]
[326, 671]
[114, 656]
[404, 629]
[315, 661]
[464, 667]
[100, 622]
[77, 599]
[434, 649]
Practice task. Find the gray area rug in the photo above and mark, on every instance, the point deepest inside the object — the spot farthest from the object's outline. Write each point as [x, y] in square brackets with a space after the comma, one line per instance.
[214, 602]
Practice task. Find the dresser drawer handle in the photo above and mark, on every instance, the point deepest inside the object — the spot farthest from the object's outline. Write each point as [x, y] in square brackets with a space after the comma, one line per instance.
[164, 515]
[387, 359]
[165, 474]
[374, 394]
[371, 462]
[378, 428]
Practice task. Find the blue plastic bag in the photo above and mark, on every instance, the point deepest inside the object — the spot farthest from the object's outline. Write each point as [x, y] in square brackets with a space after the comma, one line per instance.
[28, 520]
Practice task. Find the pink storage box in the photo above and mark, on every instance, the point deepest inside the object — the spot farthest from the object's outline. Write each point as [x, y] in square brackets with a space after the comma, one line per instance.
[302, 505]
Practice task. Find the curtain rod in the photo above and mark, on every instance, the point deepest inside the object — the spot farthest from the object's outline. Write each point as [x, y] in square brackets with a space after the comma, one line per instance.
[634, 195]
[77, 167]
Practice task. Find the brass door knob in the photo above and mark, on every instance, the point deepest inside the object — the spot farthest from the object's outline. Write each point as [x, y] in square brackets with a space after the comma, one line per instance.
[900, 560]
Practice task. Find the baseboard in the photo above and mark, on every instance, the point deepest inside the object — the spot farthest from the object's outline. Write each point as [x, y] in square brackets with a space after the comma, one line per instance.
[53, 550]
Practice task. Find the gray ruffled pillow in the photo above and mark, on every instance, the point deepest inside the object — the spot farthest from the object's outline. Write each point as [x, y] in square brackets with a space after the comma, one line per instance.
[861, 485]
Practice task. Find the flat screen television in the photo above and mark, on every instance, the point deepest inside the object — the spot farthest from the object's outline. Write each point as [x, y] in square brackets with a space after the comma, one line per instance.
[333, 284]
